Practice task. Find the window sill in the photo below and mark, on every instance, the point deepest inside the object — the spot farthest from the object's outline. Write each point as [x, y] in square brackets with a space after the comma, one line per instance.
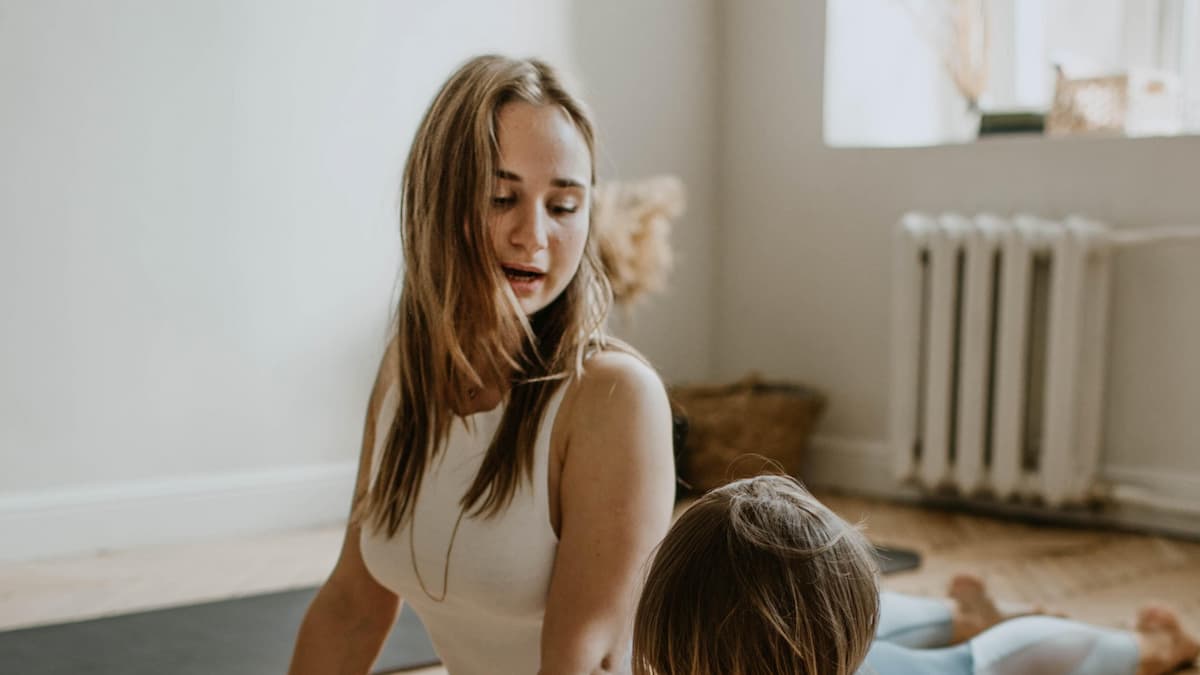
[1022, 138]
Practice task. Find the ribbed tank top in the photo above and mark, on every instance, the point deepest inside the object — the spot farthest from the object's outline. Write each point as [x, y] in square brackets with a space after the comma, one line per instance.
[491, 618]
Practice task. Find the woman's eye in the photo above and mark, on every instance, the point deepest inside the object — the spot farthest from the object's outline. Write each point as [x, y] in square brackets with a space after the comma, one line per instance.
[501, 202]
[563, 209]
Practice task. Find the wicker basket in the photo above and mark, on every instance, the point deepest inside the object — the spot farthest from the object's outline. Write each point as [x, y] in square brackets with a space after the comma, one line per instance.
[744, 429]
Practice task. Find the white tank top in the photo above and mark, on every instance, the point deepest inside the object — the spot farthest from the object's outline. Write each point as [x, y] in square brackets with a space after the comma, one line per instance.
[491, 618]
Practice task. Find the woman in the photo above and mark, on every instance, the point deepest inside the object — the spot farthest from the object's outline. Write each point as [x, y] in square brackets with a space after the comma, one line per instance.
[791, 589]
[516, 469]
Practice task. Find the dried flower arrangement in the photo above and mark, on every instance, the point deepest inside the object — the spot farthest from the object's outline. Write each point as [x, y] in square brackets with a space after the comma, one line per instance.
[633, 223]
[958, 30]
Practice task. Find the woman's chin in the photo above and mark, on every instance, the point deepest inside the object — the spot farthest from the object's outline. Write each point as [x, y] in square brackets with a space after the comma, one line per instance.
[532, 301]
[530, 307]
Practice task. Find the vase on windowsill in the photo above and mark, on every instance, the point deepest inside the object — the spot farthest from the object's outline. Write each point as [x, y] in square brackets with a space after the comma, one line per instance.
[962, 123]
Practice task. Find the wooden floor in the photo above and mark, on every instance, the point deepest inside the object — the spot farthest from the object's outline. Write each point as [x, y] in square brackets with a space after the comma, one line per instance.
[1097, 576]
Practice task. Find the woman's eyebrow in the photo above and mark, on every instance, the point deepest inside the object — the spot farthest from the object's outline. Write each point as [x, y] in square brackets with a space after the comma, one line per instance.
[505, 174]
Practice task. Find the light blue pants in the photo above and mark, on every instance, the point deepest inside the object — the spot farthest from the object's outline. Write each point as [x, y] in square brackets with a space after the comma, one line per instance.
[914, 632]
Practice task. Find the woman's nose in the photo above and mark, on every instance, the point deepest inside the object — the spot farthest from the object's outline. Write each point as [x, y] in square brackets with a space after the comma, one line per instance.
[531, 230]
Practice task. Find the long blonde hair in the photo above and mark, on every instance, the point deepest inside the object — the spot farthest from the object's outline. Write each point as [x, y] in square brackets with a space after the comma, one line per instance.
[758, 578]
[457, 323]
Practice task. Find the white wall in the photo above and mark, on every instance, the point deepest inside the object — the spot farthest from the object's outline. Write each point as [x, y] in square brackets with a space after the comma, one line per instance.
[197, 232]
[651, 74]
[198, 237]
[198, 240]
[805, 242]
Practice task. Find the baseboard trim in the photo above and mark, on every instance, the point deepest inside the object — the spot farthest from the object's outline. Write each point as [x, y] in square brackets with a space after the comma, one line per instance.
[1143, 500]
[173, 510]
[176, 510]
[1165, 490]
[854, 465]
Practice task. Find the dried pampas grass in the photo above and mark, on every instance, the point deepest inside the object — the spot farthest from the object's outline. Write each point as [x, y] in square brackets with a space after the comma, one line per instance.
[633, 223]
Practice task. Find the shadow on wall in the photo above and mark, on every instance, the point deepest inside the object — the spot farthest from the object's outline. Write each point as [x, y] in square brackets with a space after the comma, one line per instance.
[654, 99]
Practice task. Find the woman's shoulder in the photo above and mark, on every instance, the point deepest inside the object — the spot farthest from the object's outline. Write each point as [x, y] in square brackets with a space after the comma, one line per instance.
[619, 367]
[616, 385]
[618, 422]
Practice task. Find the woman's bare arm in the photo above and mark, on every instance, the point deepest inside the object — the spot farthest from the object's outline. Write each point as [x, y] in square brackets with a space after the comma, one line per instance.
[617, 489]
[351, 616]
[347, 622]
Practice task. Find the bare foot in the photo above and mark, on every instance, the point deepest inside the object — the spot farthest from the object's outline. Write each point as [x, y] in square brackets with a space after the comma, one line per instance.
[1163, 646]
[975, 611]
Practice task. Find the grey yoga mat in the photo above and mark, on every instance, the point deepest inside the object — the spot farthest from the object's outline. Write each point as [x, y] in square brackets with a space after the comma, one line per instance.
[245, 636]
[253, 635]
[893, 560]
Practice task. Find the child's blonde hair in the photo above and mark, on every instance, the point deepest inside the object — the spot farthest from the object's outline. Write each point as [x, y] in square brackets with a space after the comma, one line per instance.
[758, 578]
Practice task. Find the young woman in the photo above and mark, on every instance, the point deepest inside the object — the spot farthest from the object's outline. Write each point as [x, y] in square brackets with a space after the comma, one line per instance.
[516, 468]
[759, 578]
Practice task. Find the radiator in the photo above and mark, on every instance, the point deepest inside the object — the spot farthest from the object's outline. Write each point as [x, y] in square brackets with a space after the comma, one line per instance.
[999, 338]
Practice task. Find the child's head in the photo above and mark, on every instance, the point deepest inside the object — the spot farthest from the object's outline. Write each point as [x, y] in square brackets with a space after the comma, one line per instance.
[758, 577]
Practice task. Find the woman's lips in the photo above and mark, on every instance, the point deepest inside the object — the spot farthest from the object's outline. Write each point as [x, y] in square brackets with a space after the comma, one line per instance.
[524, 279]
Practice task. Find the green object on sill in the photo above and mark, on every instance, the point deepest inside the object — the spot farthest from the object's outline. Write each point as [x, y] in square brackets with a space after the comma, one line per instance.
[1015, 122]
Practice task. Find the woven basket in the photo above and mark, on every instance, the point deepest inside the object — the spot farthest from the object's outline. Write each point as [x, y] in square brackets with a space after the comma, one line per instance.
[744, 429]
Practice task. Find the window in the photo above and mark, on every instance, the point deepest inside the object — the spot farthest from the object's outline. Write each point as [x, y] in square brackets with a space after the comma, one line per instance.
[923, 72]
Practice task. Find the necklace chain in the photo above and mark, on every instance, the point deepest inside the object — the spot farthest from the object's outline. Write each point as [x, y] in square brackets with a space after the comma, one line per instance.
[412, 553]
[472, 393]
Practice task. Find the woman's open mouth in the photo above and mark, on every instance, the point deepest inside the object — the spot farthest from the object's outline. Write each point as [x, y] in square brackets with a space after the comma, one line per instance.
[524, 280]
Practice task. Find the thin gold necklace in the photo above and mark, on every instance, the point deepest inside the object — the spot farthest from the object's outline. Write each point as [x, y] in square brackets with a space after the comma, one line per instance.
[412, 553]
[412, 549]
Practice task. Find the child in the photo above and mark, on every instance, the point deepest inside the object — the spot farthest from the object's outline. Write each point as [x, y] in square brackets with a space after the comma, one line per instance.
[758, 577]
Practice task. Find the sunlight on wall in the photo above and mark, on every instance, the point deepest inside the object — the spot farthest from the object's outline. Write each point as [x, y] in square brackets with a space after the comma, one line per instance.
[889, 64]
[884, 84]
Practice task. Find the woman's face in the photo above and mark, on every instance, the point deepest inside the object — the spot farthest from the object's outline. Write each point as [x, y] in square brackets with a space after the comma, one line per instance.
[541, 198]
